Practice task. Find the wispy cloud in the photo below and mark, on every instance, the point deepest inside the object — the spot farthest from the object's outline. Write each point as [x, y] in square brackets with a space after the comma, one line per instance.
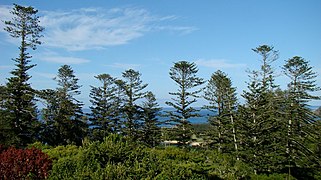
[81, 76]
[53, 57]
[95, 28]
[86, 77]
[5, 15]
[124, 66]
[6, 67]
[181, 30]
[98, 28]
[45, 75]
[218, 63]
[65, 60]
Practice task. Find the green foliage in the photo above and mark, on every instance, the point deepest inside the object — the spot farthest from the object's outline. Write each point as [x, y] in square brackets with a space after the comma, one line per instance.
[303, 79]
[222, 165]
[62, 151]
[268, 55]
[301, 121]
[133, 90]
[183, 73]
[150, 132]
[120, 158]
[89, 161]
[201, 129]
[105, 108]
[273, 177]
[19, 106]
[262, 125]
[274, 135]
[7, 134]
[222, 100]
[39, 145]
[63, 115]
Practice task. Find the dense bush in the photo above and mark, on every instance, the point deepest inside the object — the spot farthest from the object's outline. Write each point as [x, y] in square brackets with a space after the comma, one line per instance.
[119, 158]
[24, 164]
[2, 148]
[272, 176]
[91, 160]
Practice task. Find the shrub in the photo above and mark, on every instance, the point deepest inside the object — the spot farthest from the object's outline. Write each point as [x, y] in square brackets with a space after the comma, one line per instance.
[24, 164]
[38, 145]
[272, 177]
[62, 151]
[90, 161]
[120, 158]
[2, 148]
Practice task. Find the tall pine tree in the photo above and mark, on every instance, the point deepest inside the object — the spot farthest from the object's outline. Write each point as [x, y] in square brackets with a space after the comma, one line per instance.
[222, 100]
[300, 118]
[20, 102]
[64, 112]
[133, 89]
[150, 125]
[261, 119]
[183, 73]
[104, 119]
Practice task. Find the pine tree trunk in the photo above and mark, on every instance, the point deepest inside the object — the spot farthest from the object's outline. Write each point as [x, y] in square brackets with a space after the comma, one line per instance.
[254, 138]
[219, 127]
[234, 134]
[233, 131]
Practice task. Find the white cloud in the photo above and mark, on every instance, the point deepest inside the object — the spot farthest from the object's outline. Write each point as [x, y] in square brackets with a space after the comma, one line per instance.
[5, 15]
[6, 67]
[218, 63]
[182, 30]
[86, 77]
[95, 28]
[81, 76]
[45, 75]
[124, 66]
[65, 60]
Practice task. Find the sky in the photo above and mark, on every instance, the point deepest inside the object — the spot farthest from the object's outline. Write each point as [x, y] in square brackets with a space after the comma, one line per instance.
[96, 37]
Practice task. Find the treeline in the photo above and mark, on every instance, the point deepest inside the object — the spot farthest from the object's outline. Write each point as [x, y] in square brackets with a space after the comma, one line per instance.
[274, 131]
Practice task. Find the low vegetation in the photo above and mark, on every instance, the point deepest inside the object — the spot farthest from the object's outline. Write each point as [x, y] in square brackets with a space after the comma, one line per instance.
[272, 135]
[24, 163]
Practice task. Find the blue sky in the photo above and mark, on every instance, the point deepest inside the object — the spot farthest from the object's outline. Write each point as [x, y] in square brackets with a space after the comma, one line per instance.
[97, 37]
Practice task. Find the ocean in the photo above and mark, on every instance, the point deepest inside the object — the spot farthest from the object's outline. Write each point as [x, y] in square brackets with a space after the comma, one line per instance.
[202, 119]
[195, 120]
